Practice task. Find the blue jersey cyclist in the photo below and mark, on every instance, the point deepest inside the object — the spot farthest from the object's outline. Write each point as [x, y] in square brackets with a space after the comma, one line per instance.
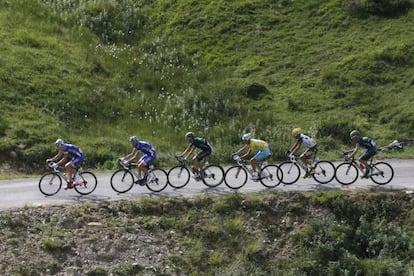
[148, 157]
[259, 149]
[368, 144]
[69, 155]
[200, 143]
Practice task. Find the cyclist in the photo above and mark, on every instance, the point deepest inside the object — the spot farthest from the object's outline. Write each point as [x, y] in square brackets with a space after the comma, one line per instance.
[371, 150]
[200, 143]
[145, 161]
[68, 152]
[259, 148]
[311, 150]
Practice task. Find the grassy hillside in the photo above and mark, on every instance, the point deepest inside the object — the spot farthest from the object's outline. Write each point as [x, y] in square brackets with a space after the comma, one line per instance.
[318, 233]
[95, 72]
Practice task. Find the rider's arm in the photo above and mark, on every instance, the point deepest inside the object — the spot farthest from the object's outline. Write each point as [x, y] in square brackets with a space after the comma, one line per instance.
[354, 151]
[240, 150]
[56, 157]
[131, 156]
[188, 151]
[295, 147]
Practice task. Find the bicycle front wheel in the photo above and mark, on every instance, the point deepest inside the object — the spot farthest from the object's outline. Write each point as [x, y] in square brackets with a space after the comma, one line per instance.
[50, 183]
[87, 183]
[324, 172]
[290, 172]
[346, 173]
[157, 180]
[235, 177]
[381, 173]
[122, 181]
[178, 176]
[212, 175]
[271, 176]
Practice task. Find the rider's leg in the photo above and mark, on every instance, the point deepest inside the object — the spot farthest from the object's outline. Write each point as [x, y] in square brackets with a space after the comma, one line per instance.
[197, 159]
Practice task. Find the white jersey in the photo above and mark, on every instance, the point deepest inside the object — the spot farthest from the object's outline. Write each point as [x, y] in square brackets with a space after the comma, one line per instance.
[306, 140]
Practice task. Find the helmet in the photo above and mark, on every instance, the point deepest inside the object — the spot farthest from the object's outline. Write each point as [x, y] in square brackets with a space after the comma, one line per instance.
[247, 136]
[59, 142]
[133, 139]
[354, 133]
[296, 131]
[189, 135]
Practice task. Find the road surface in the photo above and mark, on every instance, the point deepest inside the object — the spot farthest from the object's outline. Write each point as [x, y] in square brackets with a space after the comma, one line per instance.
[19, 193]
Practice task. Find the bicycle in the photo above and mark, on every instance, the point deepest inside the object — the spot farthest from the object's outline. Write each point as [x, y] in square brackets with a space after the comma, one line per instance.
[211, 175]
[124, 178]
[347, 172]
[50, 183]
[322, 171]
[236, 176]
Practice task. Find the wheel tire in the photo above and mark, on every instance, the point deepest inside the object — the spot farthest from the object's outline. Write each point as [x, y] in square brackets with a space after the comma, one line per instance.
[88, 183]
[213, 175]
[271, 176]
[50, 183]
[178, 176]
[346, 173]
[122, 181]
[290, 172]
[159, 180]
[324, 172]
[235, 177]
[386, 173]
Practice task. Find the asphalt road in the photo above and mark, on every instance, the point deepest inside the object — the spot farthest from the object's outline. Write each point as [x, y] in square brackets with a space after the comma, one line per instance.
[19, 193]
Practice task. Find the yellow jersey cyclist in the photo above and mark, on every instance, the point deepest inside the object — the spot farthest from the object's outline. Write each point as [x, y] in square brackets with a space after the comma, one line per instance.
[368, 144]
[311, 150]
[259, 149]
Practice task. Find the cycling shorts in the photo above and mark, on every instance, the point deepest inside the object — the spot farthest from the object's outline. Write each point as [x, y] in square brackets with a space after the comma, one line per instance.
[147, 159]
[203, 154]
[368, 154]
[261, 155]
[76, 161]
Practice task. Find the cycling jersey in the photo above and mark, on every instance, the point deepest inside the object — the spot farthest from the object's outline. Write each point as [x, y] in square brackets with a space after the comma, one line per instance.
[366, 142]
[258, 145]
[308, 141]
[145, 147]
[201, 143]
[76, 154]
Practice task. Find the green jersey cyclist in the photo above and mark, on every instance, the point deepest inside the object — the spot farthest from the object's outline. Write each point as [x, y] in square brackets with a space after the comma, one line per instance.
[368, 144]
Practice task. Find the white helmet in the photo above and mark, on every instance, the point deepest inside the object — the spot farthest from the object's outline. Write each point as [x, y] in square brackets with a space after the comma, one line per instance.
[59, 142]
[133, 139]
[247, 136]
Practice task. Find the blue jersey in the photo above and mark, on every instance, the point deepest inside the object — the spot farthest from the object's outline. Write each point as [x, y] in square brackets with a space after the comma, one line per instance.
[367, 143]
[73, 150]
[145, 147]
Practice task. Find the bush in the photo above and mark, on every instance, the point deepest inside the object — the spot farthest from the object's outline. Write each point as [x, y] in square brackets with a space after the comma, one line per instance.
[379, 7]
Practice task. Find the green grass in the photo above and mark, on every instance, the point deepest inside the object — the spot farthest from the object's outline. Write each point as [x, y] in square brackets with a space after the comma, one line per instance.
[95, 73]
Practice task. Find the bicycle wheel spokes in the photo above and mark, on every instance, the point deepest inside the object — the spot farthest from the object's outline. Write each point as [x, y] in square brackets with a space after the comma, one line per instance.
[178, 177]
[235, 177]
[324, 172]
[381, 173]
[346, 173]
[290, 172]
[271, 176]
[86, 184]
[212, 175]
[122, 181]
[157, 180]
[50, 183]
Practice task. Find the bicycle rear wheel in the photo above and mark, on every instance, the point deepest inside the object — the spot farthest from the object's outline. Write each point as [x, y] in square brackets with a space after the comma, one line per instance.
[157, 180]
[324, 172]
[122, 181]
[346, 173]
[235, 177]
[87, 184]
[212, 175]
[178, 176]
[271, 176]
[290, 172]
[381, 173]
[50, 183]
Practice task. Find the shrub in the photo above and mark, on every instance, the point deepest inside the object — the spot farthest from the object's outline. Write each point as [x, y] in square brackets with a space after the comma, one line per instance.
[379, 7]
